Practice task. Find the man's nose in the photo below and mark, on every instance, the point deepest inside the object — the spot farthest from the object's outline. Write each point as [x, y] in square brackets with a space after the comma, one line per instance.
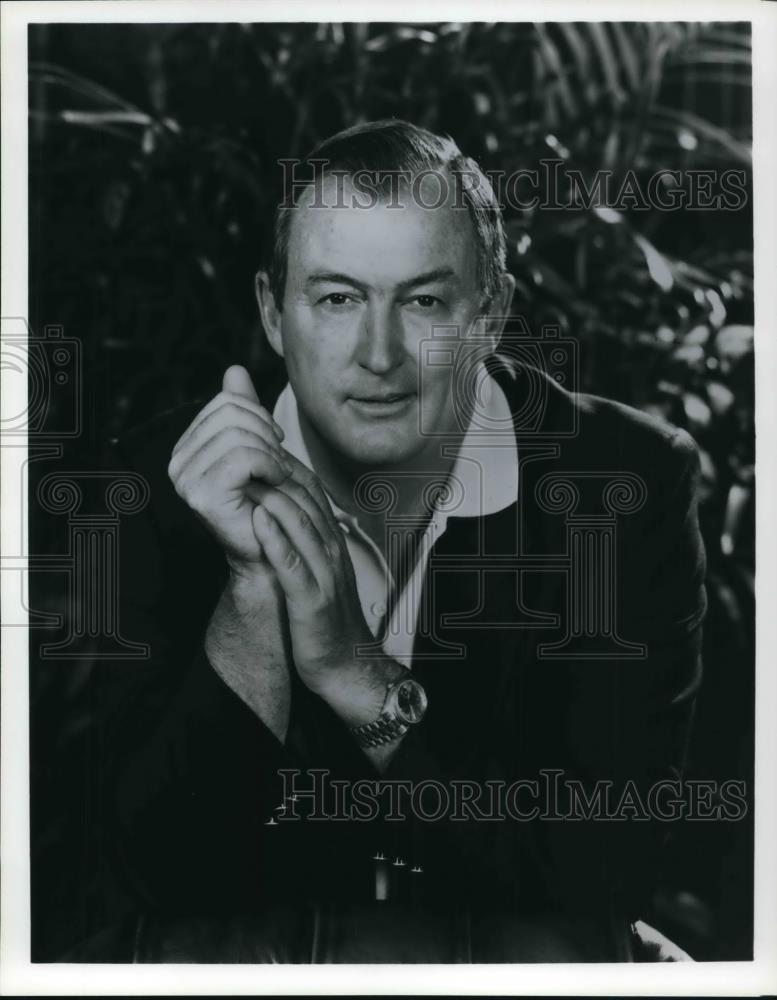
[381, 342]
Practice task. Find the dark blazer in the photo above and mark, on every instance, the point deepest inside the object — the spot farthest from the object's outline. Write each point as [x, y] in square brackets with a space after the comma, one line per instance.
[189, 776]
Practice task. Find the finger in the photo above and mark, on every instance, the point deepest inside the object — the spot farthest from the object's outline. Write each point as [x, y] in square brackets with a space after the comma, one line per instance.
[220, 401]
[290, 568]
[232, 461]
[237, 380]
[224, 441]
[300, 529]
[310, 485]
[229, 415]
[303, 499]
[305, 487]
[309, 481]
[319, 494]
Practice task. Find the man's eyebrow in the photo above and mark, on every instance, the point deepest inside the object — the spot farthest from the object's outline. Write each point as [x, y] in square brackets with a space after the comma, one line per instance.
[438, 274]
[320, 277]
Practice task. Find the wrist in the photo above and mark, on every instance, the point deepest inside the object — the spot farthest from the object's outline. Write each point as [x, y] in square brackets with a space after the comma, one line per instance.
[356, 692]
[246, 588]
[244, 573]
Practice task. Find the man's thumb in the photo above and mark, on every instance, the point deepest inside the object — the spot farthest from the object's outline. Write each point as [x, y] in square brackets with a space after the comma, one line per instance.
[237, 380]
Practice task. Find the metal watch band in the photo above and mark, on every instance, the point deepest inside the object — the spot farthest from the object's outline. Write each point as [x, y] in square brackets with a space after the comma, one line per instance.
[383, 730]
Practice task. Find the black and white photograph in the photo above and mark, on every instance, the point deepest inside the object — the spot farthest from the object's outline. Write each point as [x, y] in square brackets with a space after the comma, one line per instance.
[380, 536]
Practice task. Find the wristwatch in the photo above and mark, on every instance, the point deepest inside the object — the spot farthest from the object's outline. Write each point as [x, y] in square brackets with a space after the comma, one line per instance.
[404, 706]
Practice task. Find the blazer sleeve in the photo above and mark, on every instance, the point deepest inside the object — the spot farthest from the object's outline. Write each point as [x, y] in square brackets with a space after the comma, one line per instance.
[627, 722]
[663, 603]
[189, 776]
[655, 712]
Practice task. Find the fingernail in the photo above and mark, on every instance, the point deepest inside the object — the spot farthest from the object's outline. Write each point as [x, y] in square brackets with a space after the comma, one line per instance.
[279, 430]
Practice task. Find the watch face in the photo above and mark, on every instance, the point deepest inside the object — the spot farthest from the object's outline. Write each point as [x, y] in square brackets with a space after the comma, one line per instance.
[411, 702]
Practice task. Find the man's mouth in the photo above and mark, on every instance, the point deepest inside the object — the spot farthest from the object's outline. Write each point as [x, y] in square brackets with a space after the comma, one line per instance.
[382, 403]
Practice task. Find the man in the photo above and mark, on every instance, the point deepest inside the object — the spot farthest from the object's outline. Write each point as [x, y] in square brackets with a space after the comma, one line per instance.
[370, 580]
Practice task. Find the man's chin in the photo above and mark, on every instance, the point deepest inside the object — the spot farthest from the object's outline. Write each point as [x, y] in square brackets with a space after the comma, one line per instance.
[379, 449]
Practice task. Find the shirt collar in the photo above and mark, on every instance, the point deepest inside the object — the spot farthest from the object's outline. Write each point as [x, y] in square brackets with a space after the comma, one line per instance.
[484, 476]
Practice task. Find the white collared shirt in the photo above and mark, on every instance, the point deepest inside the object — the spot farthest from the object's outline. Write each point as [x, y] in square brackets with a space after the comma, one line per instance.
[483, 480]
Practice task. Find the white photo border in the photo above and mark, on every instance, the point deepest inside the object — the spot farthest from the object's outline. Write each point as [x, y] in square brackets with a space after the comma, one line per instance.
[18, 976]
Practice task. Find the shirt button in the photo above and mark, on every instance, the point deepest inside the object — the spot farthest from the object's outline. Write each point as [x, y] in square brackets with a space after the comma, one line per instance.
[378, 609]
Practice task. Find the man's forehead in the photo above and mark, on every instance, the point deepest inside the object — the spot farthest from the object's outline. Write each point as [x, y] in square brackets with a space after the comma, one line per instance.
[402, 231]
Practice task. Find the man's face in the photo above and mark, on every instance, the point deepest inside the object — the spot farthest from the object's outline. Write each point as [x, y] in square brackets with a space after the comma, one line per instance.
[364, 287]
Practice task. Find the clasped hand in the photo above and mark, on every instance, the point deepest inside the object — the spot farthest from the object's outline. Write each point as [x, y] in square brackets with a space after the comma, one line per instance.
[276, 526]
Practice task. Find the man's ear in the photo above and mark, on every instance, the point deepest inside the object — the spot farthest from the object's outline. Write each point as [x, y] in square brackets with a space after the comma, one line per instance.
[269, 311]
[498, 308]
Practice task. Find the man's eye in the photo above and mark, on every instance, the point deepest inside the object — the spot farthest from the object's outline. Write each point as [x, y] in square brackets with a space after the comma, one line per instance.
[426, 301]
[336, 299]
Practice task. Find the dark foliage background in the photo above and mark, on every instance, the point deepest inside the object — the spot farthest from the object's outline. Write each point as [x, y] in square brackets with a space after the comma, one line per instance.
[153, 168]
